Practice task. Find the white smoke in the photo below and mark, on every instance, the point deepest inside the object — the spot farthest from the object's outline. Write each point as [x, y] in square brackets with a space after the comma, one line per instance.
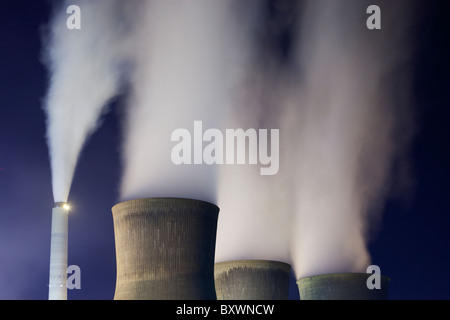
[336, 101]
[188, 55]
[182, 59]
[84, 75]
[256, 210]
[350, 121]
[344, 122]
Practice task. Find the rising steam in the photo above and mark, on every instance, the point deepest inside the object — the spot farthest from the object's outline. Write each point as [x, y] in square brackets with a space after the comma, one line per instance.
[315, 72]
[352, 128]
[256, 210]
[84, 75]
[344, 122]
[187, 57]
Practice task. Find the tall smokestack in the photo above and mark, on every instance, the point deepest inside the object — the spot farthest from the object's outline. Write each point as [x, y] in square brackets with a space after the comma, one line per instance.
[165, 249]
[341, 286]
[58, 252]
[252, 280]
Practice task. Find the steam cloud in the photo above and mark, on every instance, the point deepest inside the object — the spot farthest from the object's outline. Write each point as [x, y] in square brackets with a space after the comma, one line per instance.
[354, 124]
[188, 57]
[344, 122]
[84, 70]
[337, 92]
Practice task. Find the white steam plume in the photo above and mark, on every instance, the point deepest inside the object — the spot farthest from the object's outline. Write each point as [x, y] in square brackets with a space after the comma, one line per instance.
[339, 108]
[84, 75]
[256, 209]
[187, 55]
[351, 121]
[344, 122]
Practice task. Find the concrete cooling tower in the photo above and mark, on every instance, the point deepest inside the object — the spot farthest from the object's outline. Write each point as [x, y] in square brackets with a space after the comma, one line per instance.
[341, 286]
[252, 280]
[165, 249]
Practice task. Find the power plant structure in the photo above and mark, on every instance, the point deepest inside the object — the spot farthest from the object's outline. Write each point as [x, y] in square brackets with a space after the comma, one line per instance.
[342, 286]
[252, 280]
[165, 249]
[58, 252]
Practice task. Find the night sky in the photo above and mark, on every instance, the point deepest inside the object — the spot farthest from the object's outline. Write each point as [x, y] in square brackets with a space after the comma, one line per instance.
[412, 245]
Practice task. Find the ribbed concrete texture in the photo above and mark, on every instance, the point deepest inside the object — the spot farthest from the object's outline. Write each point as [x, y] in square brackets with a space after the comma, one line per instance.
[165, 249]
[342, 286]
[252, 280]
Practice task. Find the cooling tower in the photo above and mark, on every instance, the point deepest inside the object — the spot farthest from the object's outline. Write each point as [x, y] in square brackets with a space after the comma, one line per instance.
[341, 286]
[252, 280]
[165, 249]
[57, 287]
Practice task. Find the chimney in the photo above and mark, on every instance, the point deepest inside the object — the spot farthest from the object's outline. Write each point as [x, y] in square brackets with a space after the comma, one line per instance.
[58, 253]
[341, 286]
[165, 249]
[252, 280]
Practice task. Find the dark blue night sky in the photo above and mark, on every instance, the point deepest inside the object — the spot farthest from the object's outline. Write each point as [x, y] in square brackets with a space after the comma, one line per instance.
[412, 245]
